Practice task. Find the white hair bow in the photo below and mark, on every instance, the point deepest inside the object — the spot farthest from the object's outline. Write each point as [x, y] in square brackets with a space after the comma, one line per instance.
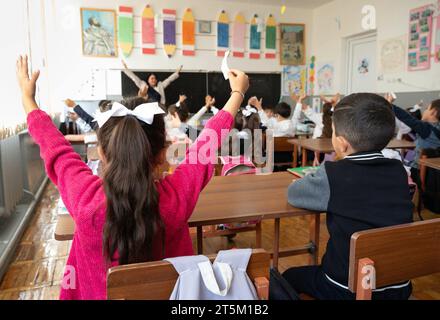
[248, 111]
[144, 112]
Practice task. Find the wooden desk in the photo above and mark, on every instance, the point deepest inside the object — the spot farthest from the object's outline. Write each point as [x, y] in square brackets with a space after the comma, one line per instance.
[325, 146]
[433, 163]
[240, 199]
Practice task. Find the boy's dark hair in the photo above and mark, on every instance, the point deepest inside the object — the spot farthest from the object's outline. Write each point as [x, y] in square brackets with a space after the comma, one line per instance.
[436, 106]
[268, 107]
[365, 120]
[283, 109]
[105, 105]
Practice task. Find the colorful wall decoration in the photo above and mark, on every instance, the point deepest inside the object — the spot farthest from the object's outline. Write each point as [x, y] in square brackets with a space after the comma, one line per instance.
[238, 36]
[255, 39]
[437, 35]
[222, 34]
[169, 31]
[98, 30]
[393, 55]
[420, 33]
[125, 30]
[325, 77]
[148, 31]
[188, 33]
[312, 76]
[294, 80]
[271, 38]
[292, 44]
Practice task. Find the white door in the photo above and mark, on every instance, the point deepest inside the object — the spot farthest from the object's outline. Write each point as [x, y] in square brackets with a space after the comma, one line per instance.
[361, 68]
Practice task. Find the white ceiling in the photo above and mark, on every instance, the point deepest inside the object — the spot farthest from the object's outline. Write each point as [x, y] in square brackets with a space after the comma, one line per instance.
[306, 4]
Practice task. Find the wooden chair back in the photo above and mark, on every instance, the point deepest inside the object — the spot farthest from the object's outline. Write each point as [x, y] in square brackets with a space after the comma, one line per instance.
[156, 280]
[391, 255]
[281, 144]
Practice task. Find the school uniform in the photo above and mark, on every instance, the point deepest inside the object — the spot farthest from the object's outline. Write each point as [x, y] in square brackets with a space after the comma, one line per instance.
[284, 128]
[427, 134]
[84, 197]
[316, 118]
[363, 191]
[84, 115]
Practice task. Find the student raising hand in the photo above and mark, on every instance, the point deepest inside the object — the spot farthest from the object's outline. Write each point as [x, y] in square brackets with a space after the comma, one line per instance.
[239, 83]
[27, 84]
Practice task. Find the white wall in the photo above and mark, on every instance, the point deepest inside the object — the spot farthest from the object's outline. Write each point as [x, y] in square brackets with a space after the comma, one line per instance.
[392, 21]
[65, 63]
[13, 24]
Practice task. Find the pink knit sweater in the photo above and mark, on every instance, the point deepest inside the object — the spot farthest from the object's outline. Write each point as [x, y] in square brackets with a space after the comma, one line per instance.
[83, 194]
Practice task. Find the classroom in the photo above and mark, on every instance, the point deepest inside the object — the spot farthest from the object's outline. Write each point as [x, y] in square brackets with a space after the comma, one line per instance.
[206, 150]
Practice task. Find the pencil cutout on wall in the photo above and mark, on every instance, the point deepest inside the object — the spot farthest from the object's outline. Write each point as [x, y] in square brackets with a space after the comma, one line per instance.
[222, 34]
[255, 39]
[188, 33]
[271, 38]
[169, 31]
[148, 31]
[238, 36]
[125, 30]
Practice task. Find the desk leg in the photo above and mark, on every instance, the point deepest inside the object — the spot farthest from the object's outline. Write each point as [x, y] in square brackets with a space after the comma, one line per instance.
[276, 244]
[199, 240]
[295, 156]
[258, 235]
[304, 158]
[315, 222]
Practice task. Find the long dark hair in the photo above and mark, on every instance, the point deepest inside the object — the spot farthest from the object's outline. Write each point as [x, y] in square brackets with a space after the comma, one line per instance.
[133, 224]
[327, 115]
[182, 111]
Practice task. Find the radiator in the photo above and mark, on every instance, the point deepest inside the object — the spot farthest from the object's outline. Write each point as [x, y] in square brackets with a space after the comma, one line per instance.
[11, 175]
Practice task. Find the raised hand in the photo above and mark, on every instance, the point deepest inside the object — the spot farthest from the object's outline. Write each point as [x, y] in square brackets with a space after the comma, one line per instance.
[238, 81]
[253, 101]
[143, 92]
[70, 103]
[28, 85]
[182, 98]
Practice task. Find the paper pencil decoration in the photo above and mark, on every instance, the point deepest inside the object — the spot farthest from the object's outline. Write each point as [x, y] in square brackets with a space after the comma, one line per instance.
[222, 34]
[148, 31]
[255, 39]
[188, 33]
[125, 30]
[169, 31]
[238, 36]
[271, 38]
[312, 76]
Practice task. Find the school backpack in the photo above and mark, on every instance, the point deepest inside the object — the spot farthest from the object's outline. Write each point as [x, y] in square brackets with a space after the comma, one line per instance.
[225, 279]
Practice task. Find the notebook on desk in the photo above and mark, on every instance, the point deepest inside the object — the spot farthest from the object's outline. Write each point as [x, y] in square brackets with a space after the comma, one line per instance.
[302, 171]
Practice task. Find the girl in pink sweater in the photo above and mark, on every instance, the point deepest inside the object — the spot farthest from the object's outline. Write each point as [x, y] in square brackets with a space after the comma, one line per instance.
[127, 216]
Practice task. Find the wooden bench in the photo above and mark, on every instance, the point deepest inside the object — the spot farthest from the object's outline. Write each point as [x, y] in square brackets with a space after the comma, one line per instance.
[392, 255]
[156, 280]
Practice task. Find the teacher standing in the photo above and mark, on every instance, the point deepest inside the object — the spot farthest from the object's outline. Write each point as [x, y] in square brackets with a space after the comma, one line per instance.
[158, 86]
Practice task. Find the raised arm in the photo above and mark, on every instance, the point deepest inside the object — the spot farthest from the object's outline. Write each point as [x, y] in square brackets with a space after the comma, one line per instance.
[171, 78]
[422, 128]
[81, 113]
[182, 188]
[75, 181]
[139, 83]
